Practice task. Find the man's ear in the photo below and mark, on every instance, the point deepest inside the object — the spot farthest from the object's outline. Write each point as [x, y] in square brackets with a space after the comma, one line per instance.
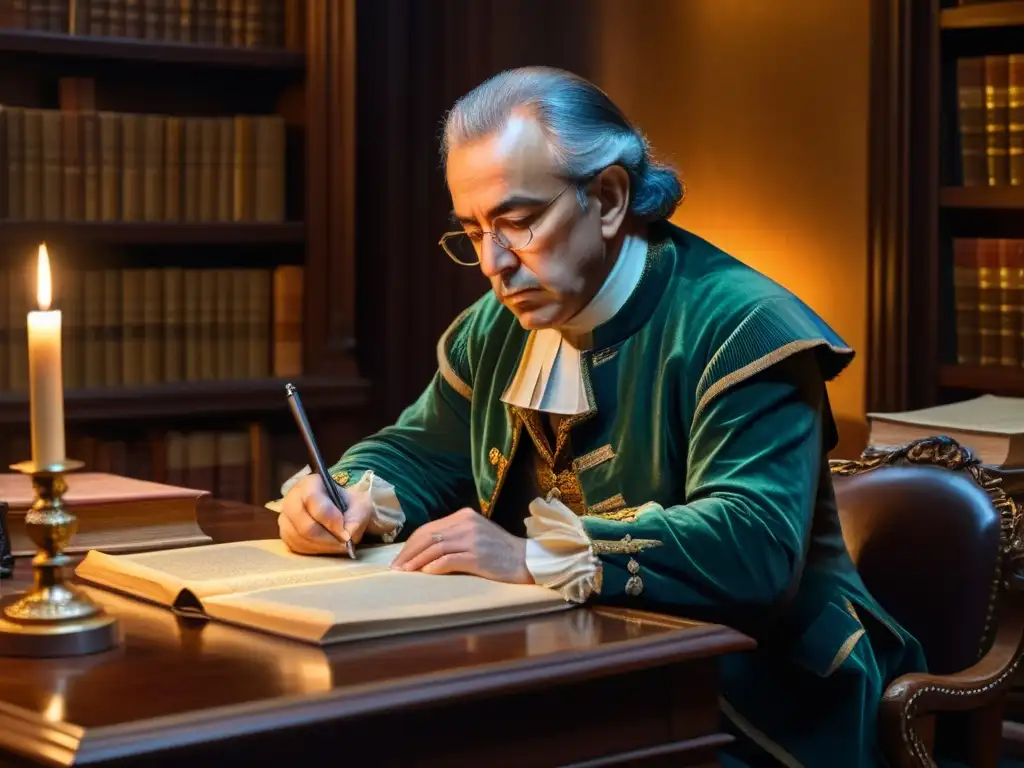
[612, 191]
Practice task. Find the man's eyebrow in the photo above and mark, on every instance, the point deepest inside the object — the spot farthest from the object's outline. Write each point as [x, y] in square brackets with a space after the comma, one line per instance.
[506, 205]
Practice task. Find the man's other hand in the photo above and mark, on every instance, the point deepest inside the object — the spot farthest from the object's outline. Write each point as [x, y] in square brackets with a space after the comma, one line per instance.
[466, 542]
[311, 525]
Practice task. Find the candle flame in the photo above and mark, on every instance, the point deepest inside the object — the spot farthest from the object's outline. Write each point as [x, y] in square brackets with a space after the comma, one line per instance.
[44, 288]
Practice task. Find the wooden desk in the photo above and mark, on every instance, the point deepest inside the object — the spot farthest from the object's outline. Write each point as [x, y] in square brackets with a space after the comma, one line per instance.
[584, 687]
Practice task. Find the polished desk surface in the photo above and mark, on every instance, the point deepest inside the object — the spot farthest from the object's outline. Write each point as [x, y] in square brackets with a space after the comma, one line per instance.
[174, 682]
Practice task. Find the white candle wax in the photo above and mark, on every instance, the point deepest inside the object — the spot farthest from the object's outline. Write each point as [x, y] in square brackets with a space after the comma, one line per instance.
[46, 380]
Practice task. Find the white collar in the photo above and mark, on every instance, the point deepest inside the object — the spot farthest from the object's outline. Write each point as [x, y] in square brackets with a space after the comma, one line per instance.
[550, 375]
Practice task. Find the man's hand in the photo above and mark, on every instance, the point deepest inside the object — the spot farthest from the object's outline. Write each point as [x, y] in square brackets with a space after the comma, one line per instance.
[466, 542]
[311, 525]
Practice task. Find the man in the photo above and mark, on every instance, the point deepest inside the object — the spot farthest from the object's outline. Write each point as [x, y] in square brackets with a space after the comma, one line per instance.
[630, 416]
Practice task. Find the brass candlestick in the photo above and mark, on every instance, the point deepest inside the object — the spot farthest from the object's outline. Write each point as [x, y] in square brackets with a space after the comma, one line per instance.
[53, 618]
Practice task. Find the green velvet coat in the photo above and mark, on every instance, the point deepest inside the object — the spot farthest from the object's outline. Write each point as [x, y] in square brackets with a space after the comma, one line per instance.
[701, 474]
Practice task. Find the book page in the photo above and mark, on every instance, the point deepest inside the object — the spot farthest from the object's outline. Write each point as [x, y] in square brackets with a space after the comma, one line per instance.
[390, 603]
[990, 414]
[226, 568]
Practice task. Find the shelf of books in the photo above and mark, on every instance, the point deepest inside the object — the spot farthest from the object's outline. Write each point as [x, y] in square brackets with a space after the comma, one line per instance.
[981, 229]
[159, 150]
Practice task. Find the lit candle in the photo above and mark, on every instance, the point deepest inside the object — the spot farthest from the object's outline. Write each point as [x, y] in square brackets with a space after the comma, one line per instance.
[46, 385]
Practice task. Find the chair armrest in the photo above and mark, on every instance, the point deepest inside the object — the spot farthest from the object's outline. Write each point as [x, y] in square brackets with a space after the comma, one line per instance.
[914, 695]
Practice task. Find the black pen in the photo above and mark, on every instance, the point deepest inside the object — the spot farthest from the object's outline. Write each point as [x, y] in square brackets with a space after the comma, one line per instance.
[316, 459]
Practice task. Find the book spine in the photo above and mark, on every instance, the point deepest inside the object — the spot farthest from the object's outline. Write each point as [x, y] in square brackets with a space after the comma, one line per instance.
[1015, 138]
[32, 189]
[52, 170]
[173, 329]
[154, 183]
[15, 162]
[971, 114]
[989, 324]
[965, 296]
[94, 353]
[997, 81]
[288, 284]
[113, 328]
[1009, 304]
[21, 286]
[152, 325]
[70, 293]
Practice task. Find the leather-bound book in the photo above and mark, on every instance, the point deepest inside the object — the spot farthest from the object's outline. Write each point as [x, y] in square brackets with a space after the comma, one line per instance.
[115, 513]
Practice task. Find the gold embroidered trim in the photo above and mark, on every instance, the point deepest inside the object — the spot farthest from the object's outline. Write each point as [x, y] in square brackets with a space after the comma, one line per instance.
[755, 367]
[627, 545]
[850, 609]
[565, 482]
[627, 515]
[341, 478]
[844, 651]
[592, 459]
[447, 372]
[531, 419]
[502, 463]
[756, 736]
[612, 504]
[604, 356]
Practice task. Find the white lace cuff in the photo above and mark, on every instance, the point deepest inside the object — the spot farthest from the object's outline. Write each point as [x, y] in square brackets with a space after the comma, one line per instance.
[388, 517]
[558, 552]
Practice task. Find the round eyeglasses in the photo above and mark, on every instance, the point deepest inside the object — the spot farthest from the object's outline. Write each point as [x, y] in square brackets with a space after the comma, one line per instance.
[465, 247]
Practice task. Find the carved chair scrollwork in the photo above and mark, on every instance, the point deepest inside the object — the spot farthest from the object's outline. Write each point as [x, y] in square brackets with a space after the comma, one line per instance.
[939, 543]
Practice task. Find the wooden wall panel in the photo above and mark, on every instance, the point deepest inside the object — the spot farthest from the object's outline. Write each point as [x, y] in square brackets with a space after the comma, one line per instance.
[414, 60]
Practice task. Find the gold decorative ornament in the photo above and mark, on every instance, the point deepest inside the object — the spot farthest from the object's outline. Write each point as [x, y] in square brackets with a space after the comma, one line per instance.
[53, 618]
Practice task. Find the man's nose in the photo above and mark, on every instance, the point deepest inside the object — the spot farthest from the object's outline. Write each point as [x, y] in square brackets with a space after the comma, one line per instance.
[494, 259]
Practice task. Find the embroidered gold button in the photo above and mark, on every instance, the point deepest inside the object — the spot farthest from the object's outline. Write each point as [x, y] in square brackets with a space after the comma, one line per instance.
[634, 586]
[494, 456]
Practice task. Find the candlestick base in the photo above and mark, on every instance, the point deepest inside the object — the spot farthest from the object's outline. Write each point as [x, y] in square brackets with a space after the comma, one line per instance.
[53, 618]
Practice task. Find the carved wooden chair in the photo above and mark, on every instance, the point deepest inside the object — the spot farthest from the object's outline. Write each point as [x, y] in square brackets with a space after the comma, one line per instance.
[938, 543]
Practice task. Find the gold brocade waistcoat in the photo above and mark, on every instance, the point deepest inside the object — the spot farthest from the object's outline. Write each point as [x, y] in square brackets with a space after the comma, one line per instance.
[537, 469]
[553, 467]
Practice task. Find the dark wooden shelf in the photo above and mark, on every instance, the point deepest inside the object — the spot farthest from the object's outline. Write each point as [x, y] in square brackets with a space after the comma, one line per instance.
[204, 398]
[1007, 198]
[994, 379]
[142, 232]
[133, 50]
[983, 16]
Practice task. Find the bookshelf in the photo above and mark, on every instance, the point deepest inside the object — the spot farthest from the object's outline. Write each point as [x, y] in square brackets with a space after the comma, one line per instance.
[946, 265]
[13, 233]
[980, 250]
[190, 167]
[990, 15]
[253, 398]
[42, 44]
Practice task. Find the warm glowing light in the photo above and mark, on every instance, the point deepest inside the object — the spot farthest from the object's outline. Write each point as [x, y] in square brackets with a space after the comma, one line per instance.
[44, 288]
[55, 709]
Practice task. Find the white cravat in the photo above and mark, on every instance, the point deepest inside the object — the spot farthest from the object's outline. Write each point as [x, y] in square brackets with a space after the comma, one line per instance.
[550, 375]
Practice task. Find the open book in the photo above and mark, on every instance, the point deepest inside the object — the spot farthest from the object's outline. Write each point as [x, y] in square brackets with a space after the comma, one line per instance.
[263, 585]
